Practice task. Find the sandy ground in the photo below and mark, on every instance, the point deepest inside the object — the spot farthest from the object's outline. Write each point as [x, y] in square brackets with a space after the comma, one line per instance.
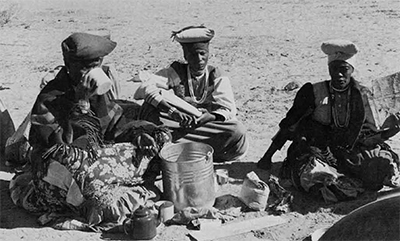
[262, 45]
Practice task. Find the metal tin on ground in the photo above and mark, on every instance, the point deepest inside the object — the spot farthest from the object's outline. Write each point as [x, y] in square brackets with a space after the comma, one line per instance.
[188, 175]
[222, 176]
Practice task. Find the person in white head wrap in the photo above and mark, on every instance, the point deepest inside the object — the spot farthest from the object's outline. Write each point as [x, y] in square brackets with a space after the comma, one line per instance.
[326, 123]
[340, 49]
[201, 87]
[341, 61]
[193, 34]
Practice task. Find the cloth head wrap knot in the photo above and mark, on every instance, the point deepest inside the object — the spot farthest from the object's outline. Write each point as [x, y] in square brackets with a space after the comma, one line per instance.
[193, 34]
[339, 49]
[84, 46]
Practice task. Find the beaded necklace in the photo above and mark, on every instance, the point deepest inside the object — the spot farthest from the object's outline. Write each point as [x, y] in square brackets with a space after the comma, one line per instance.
[334, 109]
[191, 89]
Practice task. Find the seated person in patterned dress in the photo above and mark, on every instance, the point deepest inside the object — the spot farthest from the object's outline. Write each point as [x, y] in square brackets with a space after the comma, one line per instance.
[88, 162]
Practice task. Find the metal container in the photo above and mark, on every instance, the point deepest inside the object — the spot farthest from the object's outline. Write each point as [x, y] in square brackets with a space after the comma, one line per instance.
[141, 225]
[222, 176]
[188, 175]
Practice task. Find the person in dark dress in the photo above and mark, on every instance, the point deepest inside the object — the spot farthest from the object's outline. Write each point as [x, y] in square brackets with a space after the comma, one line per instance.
[331, 121]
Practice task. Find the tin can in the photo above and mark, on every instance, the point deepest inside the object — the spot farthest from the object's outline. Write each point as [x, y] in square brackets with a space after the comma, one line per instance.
[222, 176]
[166, 211]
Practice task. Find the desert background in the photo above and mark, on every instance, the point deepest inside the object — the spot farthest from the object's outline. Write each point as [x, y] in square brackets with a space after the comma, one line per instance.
[262, 45]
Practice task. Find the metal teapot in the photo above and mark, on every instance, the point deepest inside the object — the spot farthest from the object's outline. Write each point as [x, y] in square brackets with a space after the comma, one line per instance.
[142, 224]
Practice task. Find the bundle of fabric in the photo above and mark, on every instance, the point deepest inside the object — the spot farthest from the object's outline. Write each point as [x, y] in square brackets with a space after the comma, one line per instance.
[283, 198]
[312, 173]
[97, 186]
[376, 167]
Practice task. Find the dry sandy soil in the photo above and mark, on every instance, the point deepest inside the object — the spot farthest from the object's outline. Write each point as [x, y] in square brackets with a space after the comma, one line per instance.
[261, 44]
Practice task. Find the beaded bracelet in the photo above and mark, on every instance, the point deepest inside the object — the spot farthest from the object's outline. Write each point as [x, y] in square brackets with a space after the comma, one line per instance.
[171, 111]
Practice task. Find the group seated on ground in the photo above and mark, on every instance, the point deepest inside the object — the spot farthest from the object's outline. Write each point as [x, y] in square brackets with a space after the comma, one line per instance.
[92, 160]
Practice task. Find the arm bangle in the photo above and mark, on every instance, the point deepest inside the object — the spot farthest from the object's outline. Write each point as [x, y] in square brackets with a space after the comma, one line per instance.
[171, 111]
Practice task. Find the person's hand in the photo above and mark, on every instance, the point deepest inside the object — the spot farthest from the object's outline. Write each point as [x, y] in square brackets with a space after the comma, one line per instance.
[386, 134]
[83, 90]
[145, 143]
[57, 136]
[185, 120]
[391, 126]
[372, 141]
[204, 118]
[87, 84]
[370, 126]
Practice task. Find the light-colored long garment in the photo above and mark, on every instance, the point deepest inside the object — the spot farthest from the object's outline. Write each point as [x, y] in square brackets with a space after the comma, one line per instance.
[213, 92]
[218, 93]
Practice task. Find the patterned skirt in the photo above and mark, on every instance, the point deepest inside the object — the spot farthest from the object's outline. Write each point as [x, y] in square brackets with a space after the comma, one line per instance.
[100, 192]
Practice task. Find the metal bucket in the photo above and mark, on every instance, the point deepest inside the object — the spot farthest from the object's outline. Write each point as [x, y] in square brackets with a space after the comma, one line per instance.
[188, 175]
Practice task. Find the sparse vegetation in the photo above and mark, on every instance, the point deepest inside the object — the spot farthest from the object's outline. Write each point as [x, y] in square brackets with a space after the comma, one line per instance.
[7, 13]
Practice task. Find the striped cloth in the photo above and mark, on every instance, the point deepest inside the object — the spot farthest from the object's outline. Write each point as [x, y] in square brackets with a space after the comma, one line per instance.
[51, 112]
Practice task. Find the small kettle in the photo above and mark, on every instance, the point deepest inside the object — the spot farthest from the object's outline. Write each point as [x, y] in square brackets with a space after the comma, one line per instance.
[142, 224]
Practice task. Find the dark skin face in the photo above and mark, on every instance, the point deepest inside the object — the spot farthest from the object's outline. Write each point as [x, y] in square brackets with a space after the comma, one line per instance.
[340, 72]
[197, 57]
[77, 69]
[83, 88]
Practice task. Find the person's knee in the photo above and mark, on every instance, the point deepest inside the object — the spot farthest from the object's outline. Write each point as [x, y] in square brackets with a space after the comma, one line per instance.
[238, 132]
[238, 137]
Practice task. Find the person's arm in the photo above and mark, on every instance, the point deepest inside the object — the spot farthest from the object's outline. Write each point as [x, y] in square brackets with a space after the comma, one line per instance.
[223, 100]
[185, 120]
[391, 126]
[115, 90]
[302, 105]
[45, 129]
[370, 134]
[51, 136]
[150, 90]
[223, 107]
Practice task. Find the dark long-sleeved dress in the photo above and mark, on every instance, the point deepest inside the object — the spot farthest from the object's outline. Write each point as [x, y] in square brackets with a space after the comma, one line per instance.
[326, 127]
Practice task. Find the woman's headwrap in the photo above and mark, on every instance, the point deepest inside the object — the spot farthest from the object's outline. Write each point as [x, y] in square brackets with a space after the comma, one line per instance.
[84, 46]
[339, 49]
[193, 34]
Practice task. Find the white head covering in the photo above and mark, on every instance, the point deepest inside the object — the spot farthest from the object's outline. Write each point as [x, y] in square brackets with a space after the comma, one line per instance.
[193, 34]
[339, 49]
